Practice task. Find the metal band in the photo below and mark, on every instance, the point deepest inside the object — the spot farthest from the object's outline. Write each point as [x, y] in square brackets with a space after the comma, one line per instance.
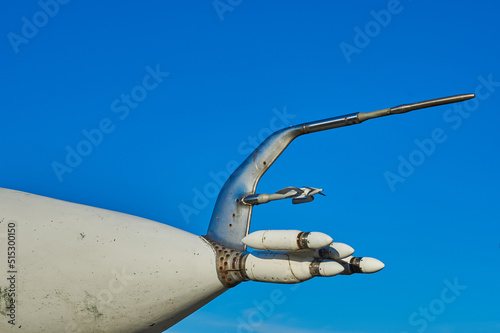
[228, 264]
[302, 240]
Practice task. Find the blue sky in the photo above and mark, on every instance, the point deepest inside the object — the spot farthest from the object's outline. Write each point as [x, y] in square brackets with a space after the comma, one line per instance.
[208, 80]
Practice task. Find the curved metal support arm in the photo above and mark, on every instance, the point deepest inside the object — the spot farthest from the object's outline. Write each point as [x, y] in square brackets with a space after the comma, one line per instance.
[230, 220]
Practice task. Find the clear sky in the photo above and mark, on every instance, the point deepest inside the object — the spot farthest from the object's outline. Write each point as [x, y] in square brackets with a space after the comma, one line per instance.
[180, 90]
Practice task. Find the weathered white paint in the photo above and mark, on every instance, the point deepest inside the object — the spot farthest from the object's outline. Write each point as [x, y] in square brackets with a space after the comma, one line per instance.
[85, 269]
[286, 240]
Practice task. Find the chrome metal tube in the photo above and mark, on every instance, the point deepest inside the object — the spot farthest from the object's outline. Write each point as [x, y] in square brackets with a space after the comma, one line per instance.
[230, 220]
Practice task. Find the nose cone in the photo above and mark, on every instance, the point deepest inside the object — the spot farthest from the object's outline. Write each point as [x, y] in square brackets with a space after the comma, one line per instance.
[370, 265]
[318, 240]
[254, 239]
[339, 250]
[330, 268]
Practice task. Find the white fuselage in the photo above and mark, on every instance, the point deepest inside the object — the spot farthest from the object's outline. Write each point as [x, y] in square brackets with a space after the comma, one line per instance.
[66, 267]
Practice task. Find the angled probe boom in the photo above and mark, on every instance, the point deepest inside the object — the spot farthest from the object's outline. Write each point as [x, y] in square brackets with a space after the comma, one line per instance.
[230, 220]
